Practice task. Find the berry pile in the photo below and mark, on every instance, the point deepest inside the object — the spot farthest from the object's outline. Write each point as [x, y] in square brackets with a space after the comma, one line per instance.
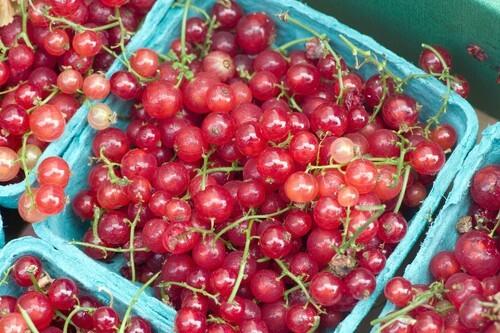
[264, 183]
[52, 56]
[465, 296]
[50, 305]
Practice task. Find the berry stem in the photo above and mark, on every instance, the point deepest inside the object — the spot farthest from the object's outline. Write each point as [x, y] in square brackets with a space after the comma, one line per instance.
[191, 288]
[34, 282]
[123, 57]
[108, 249]
[370, 208]
[95, 223]
[197, 9]
[299, 282]
[26, 170]
[414, 76]
[204, 168]
[291, 290]
[369, 57]
[60, 315]
[492, 232]
[217, 320]
[24, 24]
[78, 27]
[385, 92]
[290, 99]
[285, 17]
[27, 319]
[346, 224]
[73, 313]
[349, 243]
[243, 263]
[339, 166]
[134, 300]
[44, 101]
[207, 43]
[131, 246]
[283, 48]
[14, 88]
[111, 171]
[183, 40]
[436, 288]
[247, 217]
[224, 169]
[6, 274]
[403, 189]
[446, 76]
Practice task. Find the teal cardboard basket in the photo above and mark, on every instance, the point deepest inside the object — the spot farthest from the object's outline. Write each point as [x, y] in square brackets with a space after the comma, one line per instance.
[9, 194]
[66, 227]
[2, 233]
[91, 280]
[442, 234]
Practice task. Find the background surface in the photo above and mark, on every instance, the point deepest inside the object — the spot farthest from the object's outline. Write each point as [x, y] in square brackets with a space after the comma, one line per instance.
[402, 25]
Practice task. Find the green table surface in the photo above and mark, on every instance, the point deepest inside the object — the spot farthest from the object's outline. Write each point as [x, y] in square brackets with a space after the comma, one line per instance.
[402, 25]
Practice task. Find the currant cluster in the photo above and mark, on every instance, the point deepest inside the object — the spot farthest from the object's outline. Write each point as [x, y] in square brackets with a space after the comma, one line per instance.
[49, 305]
[52, 56]
[48, 198]
[439, 63]
[465, 296]
[264, 183]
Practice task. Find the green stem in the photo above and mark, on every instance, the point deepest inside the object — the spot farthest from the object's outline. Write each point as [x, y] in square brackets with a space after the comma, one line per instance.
[4, 92]
[435, 288]
[346, 224]
[294, 42]
[123, 57]
[243, 263]
[195, 8]
[123, 32]
[80, 28]
[375, 160]
[6, 274]
[358, 231]
[378, 107]
[207, 43]
[73, 313]
[299, 282]
[224, 169]
[95, 223]
[34, 282]
[24, 24]
[204, 174]
[111, 169]
[108, 249]
[191, 288]
[492, 232]
[26, 170]
[27, 319]
[134, 300]
[324, 167]
[445, 74]
[410, 77]
[133, 225]
[294, 105]
[60, 315]
[370, 208]
[183, 40]
[44, 101]
[249, 217]
[403, 189]
[285, 17]
[291, 290]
